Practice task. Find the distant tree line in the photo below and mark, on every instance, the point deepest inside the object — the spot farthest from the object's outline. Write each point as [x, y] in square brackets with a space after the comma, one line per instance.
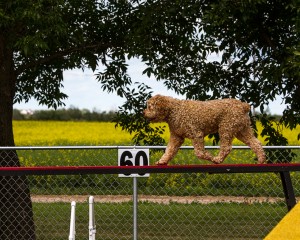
[76, 114]
[70, 114]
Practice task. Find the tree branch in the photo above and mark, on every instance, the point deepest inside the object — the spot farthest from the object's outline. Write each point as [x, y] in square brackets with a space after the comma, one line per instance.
[59, 54]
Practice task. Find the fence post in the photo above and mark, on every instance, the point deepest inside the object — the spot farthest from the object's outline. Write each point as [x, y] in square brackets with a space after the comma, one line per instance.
[72, 221]
[288, 189]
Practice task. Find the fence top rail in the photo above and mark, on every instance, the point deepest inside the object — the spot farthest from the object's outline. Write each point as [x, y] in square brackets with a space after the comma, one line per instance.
[209, 168]
[129, 146]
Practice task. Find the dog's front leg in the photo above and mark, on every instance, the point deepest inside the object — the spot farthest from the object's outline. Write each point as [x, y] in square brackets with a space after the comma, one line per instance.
[199, 149]
[172, 148]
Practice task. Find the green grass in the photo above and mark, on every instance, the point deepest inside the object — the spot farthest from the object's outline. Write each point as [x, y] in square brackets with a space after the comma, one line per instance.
[158, 221]
[248, 185]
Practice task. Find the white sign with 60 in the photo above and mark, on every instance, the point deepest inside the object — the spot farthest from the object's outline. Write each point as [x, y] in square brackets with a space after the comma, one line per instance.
[133, 157]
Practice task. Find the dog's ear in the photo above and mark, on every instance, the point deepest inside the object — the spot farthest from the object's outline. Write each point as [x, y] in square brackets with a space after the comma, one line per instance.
[159, 100]
[163, 102]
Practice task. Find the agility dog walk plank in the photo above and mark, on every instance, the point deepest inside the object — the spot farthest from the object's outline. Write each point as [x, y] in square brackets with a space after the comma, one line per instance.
[288, 228]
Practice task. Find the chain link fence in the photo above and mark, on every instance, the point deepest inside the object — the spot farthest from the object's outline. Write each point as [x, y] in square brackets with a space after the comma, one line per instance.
[170, 206]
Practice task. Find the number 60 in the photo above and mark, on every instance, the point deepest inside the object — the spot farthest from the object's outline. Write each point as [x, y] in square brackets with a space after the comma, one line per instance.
[133, 157]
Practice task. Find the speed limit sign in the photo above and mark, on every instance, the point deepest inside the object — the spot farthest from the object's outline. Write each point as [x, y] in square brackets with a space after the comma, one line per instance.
[133, 157]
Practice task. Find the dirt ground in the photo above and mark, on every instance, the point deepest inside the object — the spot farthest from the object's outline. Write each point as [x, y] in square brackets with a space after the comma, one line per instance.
[155, 199]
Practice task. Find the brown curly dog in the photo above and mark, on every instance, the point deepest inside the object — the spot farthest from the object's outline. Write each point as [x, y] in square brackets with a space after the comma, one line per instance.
[196, 119]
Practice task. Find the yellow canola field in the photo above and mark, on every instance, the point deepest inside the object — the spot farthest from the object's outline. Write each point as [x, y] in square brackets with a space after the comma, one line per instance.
[51, 133]
[41, 133]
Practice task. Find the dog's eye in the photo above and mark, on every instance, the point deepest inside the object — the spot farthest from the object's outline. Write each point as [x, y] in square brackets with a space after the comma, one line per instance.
[150, 106]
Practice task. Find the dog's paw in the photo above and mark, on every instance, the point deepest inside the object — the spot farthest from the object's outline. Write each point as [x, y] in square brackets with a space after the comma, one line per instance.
[217, 160]
[261, 161]
[161, 163]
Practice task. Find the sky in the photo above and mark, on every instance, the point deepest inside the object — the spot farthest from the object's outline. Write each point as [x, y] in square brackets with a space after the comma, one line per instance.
[84, 91]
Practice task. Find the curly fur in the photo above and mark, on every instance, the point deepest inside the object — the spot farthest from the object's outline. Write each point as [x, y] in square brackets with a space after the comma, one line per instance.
[196, 119]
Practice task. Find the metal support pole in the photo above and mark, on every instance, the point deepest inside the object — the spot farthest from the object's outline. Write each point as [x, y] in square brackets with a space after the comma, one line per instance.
[135, 209]
[288, 189]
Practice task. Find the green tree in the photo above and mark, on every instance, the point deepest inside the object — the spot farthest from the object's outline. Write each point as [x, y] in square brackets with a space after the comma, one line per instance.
[258, 47]
[39, 39]
[258, 42]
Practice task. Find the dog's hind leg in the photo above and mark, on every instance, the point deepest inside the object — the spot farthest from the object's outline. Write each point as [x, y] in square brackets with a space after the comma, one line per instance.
[247, 137]
[174, 144]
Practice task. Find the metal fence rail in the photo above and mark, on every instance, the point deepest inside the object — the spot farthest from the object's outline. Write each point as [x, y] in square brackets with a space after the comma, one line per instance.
[182, 201]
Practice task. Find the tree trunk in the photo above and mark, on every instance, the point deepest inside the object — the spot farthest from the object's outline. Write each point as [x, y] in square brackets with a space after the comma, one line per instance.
[16, 215]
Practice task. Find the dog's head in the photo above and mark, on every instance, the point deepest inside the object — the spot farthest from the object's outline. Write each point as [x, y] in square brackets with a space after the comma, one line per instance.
[158, 108]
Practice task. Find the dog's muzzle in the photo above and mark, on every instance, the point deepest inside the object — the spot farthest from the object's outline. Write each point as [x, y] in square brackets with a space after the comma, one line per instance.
[147, 116]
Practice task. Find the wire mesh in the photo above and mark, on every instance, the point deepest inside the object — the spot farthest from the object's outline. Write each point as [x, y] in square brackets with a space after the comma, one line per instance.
[170, 206]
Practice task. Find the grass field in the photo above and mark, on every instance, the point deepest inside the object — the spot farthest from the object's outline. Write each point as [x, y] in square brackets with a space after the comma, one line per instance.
[234, 221]
[158, 221]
